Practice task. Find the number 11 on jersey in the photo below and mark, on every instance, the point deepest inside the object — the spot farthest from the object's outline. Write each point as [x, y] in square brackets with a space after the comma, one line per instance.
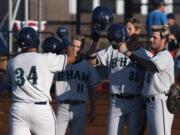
[80, 88]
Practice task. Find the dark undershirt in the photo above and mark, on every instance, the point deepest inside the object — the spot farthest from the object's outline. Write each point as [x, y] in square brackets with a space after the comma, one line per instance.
[147, 64]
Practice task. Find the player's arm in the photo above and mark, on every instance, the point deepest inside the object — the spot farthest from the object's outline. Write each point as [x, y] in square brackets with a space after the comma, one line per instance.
[92, 98]
[101, 18]
[147, 64]
[70, 55]
[63, 34]
[92, 53]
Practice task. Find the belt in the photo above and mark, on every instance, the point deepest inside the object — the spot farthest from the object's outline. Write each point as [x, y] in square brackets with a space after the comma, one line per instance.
[152, 98]
[41, 103]
[72, 102]
[37, 103]
[149, 98]
[125, 96]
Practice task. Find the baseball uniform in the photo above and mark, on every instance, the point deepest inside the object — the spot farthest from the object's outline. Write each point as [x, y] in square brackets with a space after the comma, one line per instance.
[156, 86]
[72, 91]
[31, 75]
[126, 80]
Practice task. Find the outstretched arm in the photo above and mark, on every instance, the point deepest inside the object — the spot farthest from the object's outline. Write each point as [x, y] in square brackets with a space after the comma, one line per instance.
[63, 34]
[147, 64]
[95, 34]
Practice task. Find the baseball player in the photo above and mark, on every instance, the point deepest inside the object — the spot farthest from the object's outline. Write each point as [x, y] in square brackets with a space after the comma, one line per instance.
[158, 79]
[134, 29]
[125, 79]
[74, 86]
[30, 74]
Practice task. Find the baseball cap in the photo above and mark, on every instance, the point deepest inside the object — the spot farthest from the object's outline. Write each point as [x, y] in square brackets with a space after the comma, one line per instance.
[171, 16]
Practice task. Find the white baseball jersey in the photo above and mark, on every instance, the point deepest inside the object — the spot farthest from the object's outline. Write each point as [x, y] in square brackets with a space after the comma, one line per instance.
[160, 82]
[156, 84]
[124, 75]
[74, 81]
[32, 75]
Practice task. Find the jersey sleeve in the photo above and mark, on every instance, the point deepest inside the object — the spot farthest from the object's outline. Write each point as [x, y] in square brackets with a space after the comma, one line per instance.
[103, 56]
[161, 60]
[141, 52]
[56, 62]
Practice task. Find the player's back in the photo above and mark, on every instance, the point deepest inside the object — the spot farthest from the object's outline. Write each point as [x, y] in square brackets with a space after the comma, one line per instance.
[32, 74]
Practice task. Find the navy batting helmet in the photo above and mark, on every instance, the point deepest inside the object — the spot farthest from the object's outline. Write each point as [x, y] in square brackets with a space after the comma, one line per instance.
[102, 16]
[28, 38]
[117, 33]
[53, 45]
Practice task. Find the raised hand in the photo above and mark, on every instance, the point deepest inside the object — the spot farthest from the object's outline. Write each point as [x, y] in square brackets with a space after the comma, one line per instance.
[63, 34]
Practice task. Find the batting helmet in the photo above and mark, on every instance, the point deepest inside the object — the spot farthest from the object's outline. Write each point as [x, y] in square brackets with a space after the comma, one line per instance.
[28, 38]
[53, 45]
[117, 33]
[102, 16]
[63, 34]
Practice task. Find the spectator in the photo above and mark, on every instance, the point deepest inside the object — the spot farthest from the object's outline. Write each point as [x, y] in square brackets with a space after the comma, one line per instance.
[174, 37]
[157, 16]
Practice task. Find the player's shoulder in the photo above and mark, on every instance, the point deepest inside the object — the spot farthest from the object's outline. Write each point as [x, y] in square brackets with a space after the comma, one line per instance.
[148, 53]
[143, 52]
[53, 56]
[106, 49]
[86, 63]
[165, 54]
[25, 55]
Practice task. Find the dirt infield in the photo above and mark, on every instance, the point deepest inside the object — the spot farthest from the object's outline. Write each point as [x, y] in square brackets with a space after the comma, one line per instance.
[97, 128]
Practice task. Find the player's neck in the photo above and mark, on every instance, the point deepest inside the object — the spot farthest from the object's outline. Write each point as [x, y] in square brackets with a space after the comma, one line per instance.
[31, 50]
